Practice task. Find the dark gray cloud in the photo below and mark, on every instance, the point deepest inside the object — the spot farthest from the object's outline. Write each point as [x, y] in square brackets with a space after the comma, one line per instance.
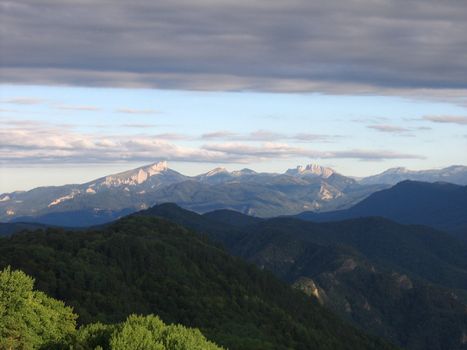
[358, 46]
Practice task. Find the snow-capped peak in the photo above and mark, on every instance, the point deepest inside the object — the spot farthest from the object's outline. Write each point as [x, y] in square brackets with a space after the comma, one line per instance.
[311, 169]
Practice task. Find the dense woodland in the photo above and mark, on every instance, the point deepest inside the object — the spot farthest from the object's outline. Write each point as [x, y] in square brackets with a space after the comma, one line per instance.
[146, 265]
[29, 319]
[405, 283]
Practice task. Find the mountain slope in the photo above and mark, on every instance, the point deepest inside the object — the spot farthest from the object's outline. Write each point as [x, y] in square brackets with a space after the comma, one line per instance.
[384, 277]
[148, 265]
[440, 205]
[9, 228]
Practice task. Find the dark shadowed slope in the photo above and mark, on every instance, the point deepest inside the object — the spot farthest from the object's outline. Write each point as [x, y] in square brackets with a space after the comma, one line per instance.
[406, 283]
[440, 205]
[9, 228]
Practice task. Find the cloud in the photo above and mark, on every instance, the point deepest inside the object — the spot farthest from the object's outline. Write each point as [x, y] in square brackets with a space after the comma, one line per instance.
[31, 142]
[278, 150]
[24, 101]
[78, 108]
[354, 46]
[219, 135]
[377, 155]
[388, 128]
[447, 119]
[57, 146]
[139, 125]
[137, 111]
[266, 135]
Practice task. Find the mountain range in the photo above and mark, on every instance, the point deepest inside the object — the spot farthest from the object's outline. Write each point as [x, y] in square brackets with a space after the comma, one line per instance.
[304, 188]
[404, 283]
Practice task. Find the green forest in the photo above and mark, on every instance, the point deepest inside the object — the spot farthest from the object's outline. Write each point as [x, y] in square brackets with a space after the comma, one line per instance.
[29, 319]
[149, 266]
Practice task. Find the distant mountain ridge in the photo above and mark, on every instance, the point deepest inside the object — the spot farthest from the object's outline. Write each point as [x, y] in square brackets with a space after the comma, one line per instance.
[260, 194]
[456, 174]
[304, 188]
[439, 205]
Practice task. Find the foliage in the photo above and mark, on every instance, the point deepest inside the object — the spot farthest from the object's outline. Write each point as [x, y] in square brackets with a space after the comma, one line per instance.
[29, 319]
[140, 333]
[146, 265]
[404, 283]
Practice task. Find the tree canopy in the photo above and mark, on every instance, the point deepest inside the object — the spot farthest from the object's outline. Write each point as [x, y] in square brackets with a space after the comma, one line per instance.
[29, 319]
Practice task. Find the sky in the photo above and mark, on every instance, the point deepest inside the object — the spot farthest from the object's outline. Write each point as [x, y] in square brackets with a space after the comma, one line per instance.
[358, 85]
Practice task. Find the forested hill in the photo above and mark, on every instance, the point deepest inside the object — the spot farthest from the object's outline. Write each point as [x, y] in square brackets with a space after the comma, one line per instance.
[406, 283]
[149, 265]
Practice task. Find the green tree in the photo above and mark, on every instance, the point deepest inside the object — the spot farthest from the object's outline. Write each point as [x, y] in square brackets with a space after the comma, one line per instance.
[141, 333]
[29, 319]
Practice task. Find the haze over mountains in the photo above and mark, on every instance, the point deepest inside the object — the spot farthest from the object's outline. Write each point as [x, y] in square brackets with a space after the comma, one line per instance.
[455, 174]
[309, 188]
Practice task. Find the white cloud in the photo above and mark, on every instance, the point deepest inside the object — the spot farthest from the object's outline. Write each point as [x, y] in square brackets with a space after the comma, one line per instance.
[266, 135]
[137, 111]
[24, 101]
[78, 108]
[45, 143]
[388, 128]
[460, 120]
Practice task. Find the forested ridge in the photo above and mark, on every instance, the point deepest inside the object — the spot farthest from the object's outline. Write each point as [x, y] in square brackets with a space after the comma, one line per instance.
[29, 319]
[147, 265]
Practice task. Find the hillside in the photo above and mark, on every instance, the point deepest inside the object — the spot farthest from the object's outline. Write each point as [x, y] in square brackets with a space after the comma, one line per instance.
[148, 265]
[367, 270]
[439, 205]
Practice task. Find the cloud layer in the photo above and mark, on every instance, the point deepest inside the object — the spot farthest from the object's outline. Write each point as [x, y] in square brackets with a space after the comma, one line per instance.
[29, 142]
[354, 46]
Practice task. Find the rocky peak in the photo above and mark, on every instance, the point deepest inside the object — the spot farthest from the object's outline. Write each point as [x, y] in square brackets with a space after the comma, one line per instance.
[136, 176]
[217, 171]
[311, 169]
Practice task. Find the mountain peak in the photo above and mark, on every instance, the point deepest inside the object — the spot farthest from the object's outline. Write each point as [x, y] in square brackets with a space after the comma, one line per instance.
[156, 168]
[311, 169]
[399, 170]
[244, 171]
[218, 170]
[136, 176]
